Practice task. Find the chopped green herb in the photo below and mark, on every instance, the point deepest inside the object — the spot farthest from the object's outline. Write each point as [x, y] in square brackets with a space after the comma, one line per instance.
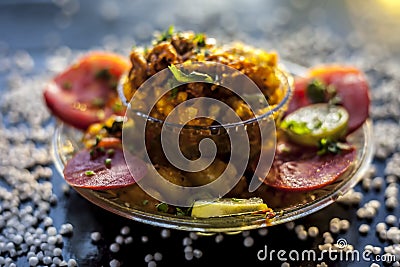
[236, 199]
[328, 146]
[67, 85]
[336, 100]
[92, 153]
[174, 93]
[103, 74]
[180, 212]
[116, 126]
[110, 152]
[145, 50]
[117, 107]
[316, 91]
[145, 202]
[200, 39]
[98, 102]
[164, 36]
[89, 173]
[98, 139]
[317, 123]
[101, 150]
[163, 207]
[191, 77]
[113, 84]
[299, 128]
[107, 162]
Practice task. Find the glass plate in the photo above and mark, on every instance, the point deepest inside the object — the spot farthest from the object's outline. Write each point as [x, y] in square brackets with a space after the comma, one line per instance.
[66, 142]
[287, 205]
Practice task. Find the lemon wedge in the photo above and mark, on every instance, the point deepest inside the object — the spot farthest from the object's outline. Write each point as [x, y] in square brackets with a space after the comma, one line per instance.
[227, 207]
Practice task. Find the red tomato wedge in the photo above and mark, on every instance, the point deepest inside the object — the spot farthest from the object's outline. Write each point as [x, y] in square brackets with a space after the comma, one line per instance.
[85, 93]
[85, 172]
[351, 87]
[297, 168]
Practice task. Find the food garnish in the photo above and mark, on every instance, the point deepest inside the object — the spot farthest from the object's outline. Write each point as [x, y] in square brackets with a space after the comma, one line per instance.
[228, 207]
[85, 92]
[87, 172]
[343, 85]
[311, 152]
[309, 124]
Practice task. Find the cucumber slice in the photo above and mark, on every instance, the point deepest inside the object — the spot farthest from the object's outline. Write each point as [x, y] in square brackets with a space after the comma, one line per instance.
[309, 124]
[227, 207]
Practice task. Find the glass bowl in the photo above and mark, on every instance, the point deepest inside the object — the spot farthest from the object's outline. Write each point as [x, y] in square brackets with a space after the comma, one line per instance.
[288, 206]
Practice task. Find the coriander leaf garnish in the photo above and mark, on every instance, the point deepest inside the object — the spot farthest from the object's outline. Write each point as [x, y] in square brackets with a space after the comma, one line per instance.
[117, 106]
[180, 212]
[299, 128]
[174, 93]
[89, 173]
[163, 207]
[319, 92]
[316, 91]
[116, 126]
[164, 36]
[67, 85]
[107, 162]
[326, 145]
[194, 76]
[98, 102]
[200, 39]
[103, 74]
[110, 152]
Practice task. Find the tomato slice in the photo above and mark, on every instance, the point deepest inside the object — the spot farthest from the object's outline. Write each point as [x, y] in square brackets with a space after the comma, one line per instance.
[351, 87]
[297, 168]
[85, 93]
[95, 173]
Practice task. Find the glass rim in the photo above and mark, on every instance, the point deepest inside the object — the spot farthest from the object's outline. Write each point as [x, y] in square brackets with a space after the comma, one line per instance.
[284, 78]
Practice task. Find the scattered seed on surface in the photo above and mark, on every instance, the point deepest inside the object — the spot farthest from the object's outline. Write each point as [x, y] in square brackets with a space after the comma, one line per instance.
[115, 263]
[313, 231]
[193, 236]
[114, 247]
[248, 241]
[165, 233]
[95, 236]
[128, 240]
[391, 219]
[189, 256]
[188, 249]
[263, 231]
[125, 230]
[219, 238]
[197, 253]
[158, 256]
[363, 228]
[119, 239]
[148, 258]
[187, 241]
[33, 261]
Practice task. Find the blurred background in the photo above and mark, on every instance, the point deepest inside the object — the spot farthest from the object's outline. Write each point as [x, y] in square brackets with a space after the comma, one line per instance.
[38, 24]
